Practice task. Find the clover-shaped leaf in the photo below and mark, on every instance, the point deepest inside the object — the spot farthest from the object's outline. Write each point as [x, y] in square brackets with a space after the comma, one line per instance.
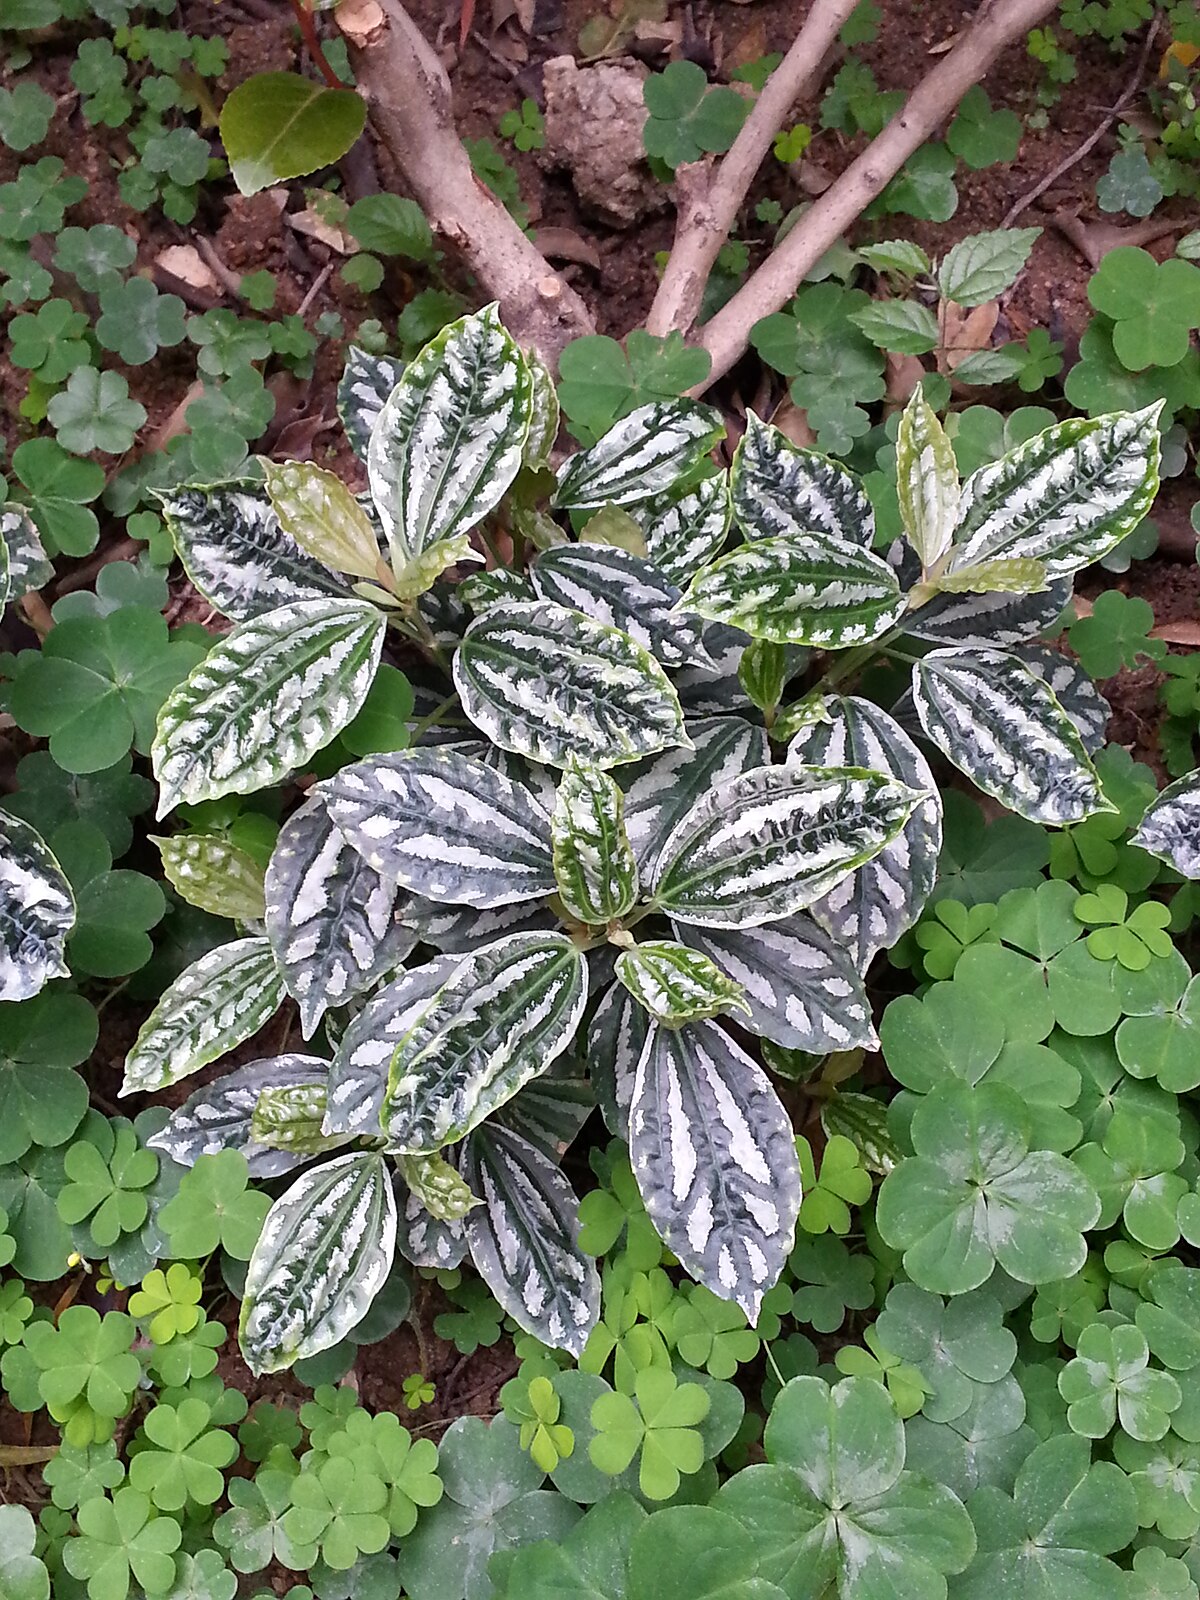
[903, 1382]
[107, 1184]
[94, 412]
[170, 1301]
[79, 1473]
[186, 1459]
[1131, 937]
[119, 1539]
[955, 1345]
[536, 1407]
[341, 1510]
[88, 1374]
[42, 1100]
[252, 1531]
[214, 1207]
[832, 1282]
[382, 1446]
[1161, 1044]
[1154, 305]
[1110, 1381]
[687, 118]
[1133, 1171]
[841, 1183]
[656, 1424]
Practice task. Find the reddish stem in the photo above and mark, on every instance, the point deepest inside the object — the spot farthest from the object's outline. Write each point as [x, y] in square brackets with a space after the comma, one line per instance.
[308, 32]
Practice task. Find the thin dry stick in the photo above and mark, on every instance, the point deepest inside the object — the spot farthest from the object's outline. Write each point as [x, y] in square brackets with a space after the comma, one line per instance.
[995, 27]
[708, 203]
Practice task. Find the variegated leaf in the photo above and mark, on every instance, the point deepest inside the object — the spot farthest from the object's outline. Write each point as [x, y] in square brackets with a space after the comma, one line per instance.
[780, 488]
[705, 691]
[685, 532]
[549, 683]
[316, 509]
[623, 591]
[926, 480]
[993, 621]
[1002, 726]
[237, 555]
[324, 1253]
[648, 452]
[217, 1116]
[37, 911]
[457, 929]
[1066, 497]
[423, 571]
[544, 413]
[445, 825]
[501, 1018]
[765, 670]
[594, 866]
[1170, 829]
[523, 1239]
[1074, 690]
[289, 1117]
[616, 1038]
[868, 911]
[715, 1160]
[863, 1120]
[660, 792]
[552, 1109]
[801, 989]
[451, 435]
[29, 567]
[769, 843]
[359, 1074]
[213, 874]
[212, 1006]
[802, 588]
[365, 384]
[483, 590]
[424, 1239]
[438, 1186]
[1006, 575]
[265, 699]
[677, 985]
[333, 920]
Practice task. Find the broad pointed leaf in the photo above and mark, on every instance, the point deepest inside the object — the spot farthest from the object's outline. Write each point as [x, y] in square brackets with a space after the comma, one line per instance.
[677, 985]
[439, 1187]
[623, 591]
[926, 480]
[549, 683]
[316, 509]
[997, 722]
[1170, 828]
[457, 929]
[774, 840]
[615, 1041]
[544, 412]
[217, 1117]
[29, 567]
[364, 386]
[594, 864]
[645, 454]
[325, 1252]
[684, 533]
[1073, 688]
[993, 620]
[423, 571]
[715, 1160]
[37, 911]
[289, 1117]
[1003, 575]
[780, 488]
[552, 1109]
[424, 1239]
[265, 699]
[213, 874]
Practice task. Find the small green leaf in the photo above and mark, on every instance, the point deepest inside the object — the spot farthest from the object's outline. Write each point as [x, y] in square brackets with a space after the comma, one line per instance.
[594, 865]
[279, 125]
[213, 874]
[318, 511]
[677, 985]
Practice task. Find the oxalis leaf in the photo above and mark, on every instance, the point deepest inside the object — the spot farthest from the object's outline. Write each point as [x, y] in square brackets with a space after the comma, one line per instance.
[502, 1017]
[778, 488]
[772, 841]
[213, 874]
[279, 125]
[648, 452]
[265, 699]
[1170, 828]
[1002, 726]
[715, 1161]
[37, 911]
[623, 591]
[324, 1253]
[677, 985]
[450, 437]
[316, 509]
[549, 683]
[219, 1115]
[594, 865]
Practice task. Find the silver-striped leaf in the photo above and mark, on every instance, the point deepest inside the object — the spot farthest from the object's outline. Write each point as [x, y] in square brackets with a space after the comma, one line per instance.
[801, 588]
[1170, 828]
[989, 715]
[29, 567]
[214, 1005]
[549, 683]
[868, 911]
[645, 454]
[457, 929]
[616, 1038]
[926, 480]
[992, 621]
[715, 1159]
[213, 874]
[317, 510]
[780, 488]
[324, 1253]
[438, 1186]
[450, 437]
[424, 1239]
[1074, 690]
[801, 988]
[769, 843]
[685, 532]
[217, 1116]
[37, 911]
[677, 985]
[864, 1121]
[623, 591]
[708, 691]
[594, 865]
[288, 1117]
[265, 699]
[445, 825]
[365, 384]
[524, 1239]
[1066, 497]
[552, 1109]
[237, 554]
[483, 590]
[333, 920]
[502, 1017]
[544, 414]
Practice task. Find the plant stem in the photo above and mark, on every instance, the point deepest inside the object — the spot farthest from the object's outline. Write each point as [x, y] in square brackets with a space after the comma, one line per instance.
[312, 43]
[774, 1365]
[435, 718]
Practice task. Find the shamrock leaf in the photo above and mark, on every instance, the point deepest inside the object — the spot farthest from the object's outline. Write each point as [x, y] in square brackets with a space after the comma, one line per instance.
[1129, 184]
[955, 1345]
[107, 1180]
[113, 910]
[616, 1214]
[535, 1407]
[252, 1532]
[170, 1301]
[215, 1207]
[119, 1539]
[1131, 937]
[712, 1334]
[94, 412]
[1134, 1171]
[1155, 305]
[380, 1445]
[842, 1183]
[1160, 1044]
[1114, 634]
[657, 1423]
[687, 118]
[22, 1575]
[49, 341]
[58, 489]
[601, 382]
[88, 1375]
[477, 1322]
[903, 1382]
[340, 1510]
[48, 796]
[1165, 1477]
[981, 136]
[1110, 1380]
[78, 1474]
[89, 254]
[185, 1463]
[832, 1282]
[136, 321]
[42, 1100]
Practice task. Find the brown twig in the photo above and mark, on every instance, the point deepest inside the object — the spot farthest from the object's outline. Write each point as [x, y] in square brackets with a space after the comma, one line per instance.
[208, 253]
[315, 288]
[312, 42]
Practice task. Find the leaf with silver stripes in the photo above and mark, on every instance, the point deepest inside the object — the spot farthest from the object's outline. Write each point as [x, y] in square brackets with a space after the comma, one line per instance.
[289, 1116]
[217, 1116]
[594, 865]
[781, 488]
[864, 1121]
[29, 567]
[214, 875]
[316, 509]
[868, 911]
[684, 532]
[483, 590]
[450, 437]
[1066, 497]
[988, 714]
[1170, 828]
[993, 621]
[237, 554]
[445, 825]
[801, 989]
[771, 842]
[704, 691]
[552, 1109]
[715, 1159]
[802, 588]
[926, 480]
[212, 1006]
[548, 683]
[425, 1240]
[677, 985]
[333, 920]
[265, 699]
[645, 454]
[623, 591]
[615, 1041]
[365, 384]
[438, 1186]
[37, 911]
[544, 413]
[457, 929]
[503, 1017]
[1074, 690]
[324, 1253]
[524, 1239]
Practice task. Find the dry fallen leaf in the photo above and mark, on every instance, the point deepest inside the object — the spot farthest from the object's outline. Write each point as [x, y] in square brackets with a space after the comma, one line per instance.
[564, 244]
[964, 332]
[184, 261]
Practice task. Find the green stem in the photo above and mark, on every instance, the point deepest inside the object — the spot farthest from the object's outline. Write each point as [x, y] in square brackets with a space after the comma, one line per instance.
[774, 1365]
[435, 718]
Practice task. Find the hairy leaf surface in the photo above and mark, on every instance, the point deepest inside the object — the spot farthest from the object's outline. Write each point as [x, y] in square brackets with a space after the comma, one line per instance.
[37, 911]
[645, 454]
[779, 488]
